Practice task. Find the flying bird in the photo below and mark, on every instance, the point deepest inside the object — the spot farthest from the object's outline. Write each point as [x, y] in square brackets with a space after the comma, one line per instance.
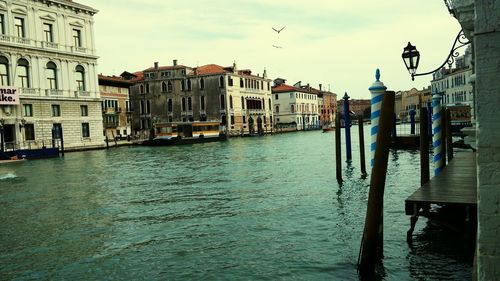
[279, 47]
[279, 29]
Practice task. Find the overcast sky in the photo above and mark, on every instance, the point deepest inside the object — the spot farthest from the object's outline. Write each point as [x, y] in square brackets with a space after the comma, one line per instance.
[335, 43]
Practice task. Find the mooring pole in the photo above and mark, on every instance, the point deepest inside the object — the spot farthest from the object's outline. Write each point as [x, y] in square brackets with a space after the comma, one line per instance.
[424, 147]
[62, 140]
[107, 141]
[377, 90]
[437, 133]
[449, 136]
[394, 134]
[444, 149]
[429, 118]
[361, 144]
[338, 147]
[372, 234]
[412, 121]
[347, 125]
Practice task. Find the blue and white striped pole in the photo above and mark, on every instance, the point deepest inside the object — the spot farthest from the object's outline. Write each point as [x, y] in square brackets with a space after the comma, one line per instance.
[437, 133]
[377, 90]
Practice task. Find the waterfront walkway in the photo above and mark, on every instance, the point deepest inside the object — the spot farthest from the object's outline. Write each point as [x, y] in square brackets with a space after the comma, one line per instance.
[456, 185]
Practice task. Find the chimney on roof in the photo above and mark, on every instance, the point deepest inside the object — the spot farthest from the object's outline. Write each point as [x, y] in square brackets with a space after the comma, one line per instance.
[156, 65]
[320, 87]
[175, 62]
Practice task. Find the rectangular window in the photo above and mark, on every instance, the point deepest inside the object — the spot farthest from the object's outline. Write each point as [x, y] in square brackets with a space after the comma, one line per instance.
[230, 81]
[127, 106]
[276, 96]
[56, 110]
[2, 24]
[84, 110]
[85, 130]
[47, 32]
[19, 27]
[57, 130]
[77, 39]
[28, 110]
[202, 102]
[29, 132]
[4, 74]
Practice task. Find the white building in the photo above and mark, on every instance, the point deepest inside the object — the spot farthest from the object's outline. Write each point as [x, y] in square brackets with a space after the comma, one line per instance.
[455, 83]
[47, 52]
[295, 106]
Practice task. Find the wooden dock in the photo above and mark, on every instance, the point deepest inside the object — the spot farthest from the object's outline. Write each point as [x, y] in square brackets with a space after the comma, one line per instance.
[456, 185]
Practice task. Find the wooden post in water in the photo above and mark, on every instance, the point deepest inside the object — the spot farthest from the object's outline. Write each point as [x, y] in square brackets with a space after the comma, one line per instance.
[361, 144]
[443, 136]
[370, 245]
[424, 147]
[449, 136]
[338, 152]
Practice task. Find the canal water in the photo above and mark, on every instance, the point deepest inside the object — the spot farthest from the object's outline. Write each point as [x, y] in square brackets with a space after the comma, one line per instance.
[263, 208]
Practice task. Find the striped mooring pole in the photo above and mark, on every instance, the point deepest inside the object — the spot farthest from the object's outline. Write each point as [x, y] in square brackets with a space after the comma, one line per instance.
[377, 90]
[437, 133]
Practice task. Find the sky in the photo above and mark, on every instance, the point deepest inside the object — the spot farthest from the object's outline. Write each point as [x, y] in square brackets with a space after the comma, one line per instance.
[336, 43]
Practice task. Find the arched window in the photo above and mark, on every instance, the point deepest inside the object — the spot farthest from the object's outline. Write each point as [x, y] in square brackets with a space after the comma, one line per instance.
[189, 84]
[190, 103]
[80, 78]
[51, 73]
[23, 78]
[169, 105]
[263, 104]
[230, 101]
[147, 88]
[292, 108]
[169, 86]
[277, 109]
[221, 81]
[202, 83]
[183, 85]
[270, 104]
[241, 83]
[164, 87]
[222, 103]
[183, 104]
[4, 71]
[242, 103]
[141, 89]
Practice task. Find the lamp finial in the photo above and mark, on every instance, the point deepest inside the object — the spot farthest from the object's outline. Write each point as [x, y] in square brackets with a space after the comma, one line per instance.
[377, 74]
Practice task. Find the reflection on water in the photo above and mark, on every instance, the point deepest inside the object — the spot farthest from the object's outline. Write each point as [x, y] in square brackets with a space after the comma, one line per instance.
[246, 209]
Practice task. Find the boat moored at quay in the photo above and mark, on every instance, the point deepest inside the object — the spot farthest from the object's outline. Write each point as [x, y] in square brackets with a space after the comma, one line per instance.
[175, 133]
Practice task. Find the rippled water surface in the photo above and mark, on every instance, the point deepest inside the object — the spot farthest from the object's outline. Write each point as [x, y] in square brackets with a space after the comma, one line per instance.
[265, 208]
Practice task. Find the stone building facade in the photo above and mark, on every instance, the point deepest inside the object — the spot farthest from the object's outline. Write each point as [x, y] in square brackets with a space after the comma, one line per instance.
[296, 106]
[480, 21]
[47, 53]
[237, 99]
[115, 104]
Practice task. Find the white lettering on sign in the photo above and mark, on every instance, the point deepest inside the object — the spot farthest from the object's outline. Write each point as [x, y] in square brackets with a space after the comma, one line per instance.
[9, 95]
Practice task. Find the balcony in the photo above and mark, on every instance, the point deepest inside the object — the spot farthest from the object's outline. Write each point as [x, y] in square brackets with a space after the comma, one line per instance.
[255, 111]
[111, 110]
[110, 125]
[5, 38]
[29, 91]
[53, 92]
[82, 94]
[79, 49]
[50, 45]
[21, 40]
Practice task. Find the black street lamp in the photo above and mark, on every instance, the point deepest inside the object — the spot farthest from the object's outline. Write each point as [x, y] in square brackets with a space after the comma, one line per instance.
[411, 56]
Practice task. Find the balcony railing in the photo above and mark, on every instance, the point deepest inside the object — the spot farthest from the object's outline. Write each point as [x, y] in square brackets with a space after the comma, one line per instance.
[29, 91]
[79, 49]
[4, 38]
[21, 40]
[112, 110]
[52, 45]
[53, 92]
[108, 125]
[255, 111]
[82, 94]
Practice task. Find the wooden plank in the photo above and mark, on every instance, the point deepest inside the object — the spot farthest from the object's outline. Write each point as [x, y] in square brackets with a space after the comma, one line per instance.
[455, 185]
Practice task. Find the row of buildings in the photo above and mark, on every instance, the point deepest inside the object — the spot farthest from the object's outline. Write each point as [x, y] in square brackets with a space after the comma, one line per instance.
[50, 88]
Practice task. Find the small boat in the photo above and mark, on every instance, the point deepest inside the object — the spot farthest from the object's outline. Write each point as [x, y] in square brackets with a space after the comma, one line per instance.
[327, 128]
[175, 133]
